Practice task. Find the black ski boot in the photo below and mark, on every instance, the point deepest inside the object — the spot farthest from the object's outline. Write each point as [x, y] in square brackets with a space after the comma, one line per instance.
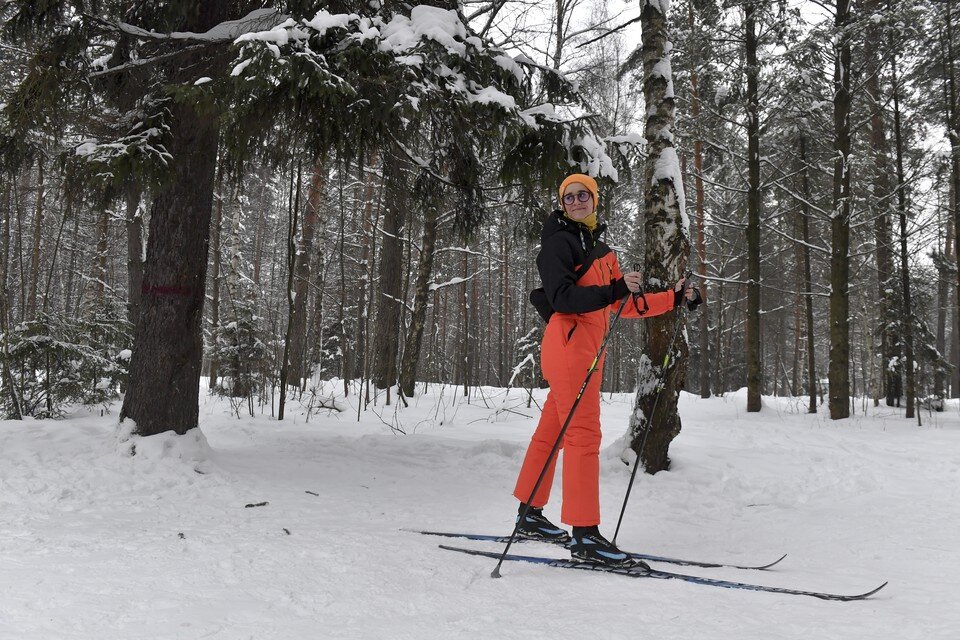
[536, 527]
[589, 546]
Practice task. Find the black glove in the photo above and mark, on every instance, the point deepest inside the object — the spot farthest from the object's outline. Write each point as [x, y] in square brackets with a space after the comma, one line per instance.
[691, 304]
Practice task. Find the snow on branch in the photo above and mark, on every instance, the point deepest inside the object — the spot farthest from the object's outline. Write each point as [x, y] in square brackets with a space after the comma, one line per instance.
[227, 31]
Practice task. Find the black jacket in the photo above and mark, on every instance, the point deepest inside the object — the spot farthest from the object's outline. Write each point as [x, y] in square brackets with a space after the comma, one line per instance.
[565, 245]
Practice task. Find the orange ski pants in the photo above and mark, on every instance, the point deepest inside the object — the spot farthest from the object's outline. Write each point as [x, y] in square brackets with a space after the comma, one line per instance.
[570, 343]
[568, 349]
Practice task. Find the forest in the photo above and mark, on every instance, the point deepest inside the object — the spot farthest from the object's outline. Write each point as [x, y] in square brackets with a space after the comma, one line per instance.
[263, 195]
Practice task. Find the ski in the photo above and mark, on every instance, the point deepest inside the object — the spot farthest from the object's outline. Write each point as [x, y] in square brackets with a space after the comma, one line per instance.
[636, 572]
[636, 556]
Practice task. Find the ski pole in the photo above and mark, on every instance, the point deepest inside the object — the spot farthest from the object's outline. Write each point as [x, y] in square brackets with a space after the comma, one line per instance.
[661, 385]
[556, 445]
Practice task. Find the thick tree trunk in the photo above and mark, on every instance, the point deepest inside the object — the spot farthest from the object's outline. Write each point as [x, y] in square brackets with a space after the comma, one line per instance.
[387, 326]
[667, 250]
[953, 126]
[299, 367]
[752, 338]
[411, 348]
[168, 345]
[839, 374]
[879, 205]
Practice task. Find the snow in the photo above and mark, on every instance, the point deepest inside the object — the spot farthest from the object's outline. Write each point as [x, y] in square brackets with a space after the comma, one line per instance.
[425, 22]
[663, 6]
[492, 95]
[663, 70]
[325, 20]
[510, 65]
[597, 163]
[667, 167]
[238, 69]
[86, 148]
[225, 31]
[98, 544]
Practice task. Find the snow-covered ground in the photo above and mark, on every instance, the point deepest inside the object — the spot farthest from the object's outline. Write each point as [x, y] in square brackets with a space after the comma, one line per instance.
[95, 544]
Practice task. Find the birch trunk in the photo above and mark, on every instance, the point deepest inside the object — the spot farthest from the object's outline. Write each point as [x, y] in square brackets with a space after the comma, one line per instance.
[666, 252]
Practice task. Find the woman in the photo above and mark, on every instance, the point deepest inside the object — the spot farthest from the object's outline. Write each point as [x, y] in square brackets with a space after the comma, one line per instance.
[581, 317]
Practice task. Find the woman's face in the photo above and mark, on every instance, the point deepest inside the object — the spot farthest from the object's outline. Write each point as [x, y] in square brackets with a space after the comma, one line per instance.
[582, 205]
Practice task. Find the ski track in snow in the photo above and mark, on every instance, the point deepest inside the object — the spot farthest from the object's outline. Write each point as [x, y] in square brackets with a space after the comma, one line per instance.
[90, 545]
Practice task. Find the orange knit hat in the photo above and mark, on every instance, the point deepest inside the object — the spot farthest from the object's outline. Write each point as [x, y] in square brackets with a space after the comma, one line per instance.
[586, 181]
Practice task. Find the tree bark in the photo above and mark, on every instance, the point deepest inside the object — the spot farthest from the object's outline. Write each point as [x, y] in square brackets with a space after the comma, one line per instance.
[216, 237]
[879, 206]
[16, 409]
[293, 212]
[414, 338]
[839, 374]
[299, 367]
[387, 327]
[168, 344]
[666, 252]
[366, 264]
[906, 313]
[953, 127]
[752, 338]
[134, 226]
[807, 278]
[703, 320]
[35, 253]
[943, 303]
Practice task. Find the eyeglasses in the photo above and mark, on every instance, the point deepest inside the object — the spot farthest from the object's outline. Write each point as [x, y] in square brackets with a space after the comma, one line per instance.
[582, 196]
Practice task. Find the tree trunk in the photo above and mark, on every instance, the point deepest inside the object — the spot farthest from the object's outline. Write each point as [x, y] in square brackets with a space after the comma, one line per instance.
[366, 264]
[752, 338]
[216, 241]
[943, 303]
[16, 409]
[292, 267]
[134, 225]
[299, 365]
[35, 253]
[906, 313]
[953, 126]
[387, 327]
[100, 272]
[667, 250]
[879, 206]
[411, 348]
[704, 318]
[840, 224]
[168, 343]
[807, 278]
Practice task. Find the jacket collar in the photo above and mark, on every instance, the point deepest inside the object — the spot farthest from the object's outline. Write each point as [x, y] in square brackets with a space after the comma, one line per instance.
[556, 222]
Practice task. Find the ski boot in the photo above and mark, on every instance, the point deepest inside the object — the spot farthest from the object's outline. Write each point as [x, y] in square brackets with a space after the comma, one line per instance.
[536, 527]
[589, 546]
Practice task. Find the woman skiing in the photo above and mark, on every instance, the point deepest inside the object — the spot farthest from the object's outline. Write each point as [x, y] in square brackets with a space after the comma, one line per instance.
[581, 301]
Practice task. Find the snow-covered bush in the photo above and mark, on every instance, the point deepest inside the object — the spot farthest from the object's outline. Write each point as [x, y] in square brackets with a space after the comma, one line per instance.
[58, 361]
